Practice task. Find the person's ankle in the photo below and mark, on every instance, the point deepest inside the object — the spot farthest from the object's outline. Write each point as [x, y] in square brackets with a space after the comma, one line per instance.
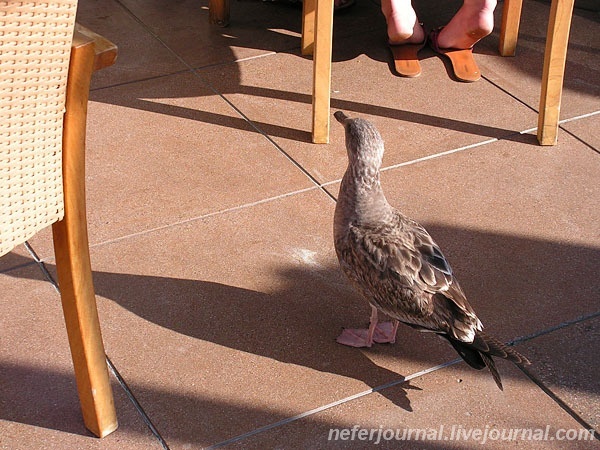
[398, 34]
[402, 23]
[482, 13]
[473, 21]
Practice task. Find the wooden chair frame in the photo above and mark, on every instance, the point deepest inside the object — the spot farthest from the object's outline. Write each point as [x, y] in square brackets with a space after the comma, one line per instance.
[317, 37]
[89, 52]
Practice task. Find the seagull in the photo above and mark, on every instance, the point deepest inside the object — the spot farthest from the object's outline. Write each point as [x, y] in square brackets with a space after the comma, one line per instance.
[393, 262]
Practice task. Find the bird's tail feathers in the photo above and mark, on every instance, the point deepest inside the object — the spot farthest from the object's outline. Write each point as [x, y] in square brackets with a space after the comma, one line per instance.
[493, 346]
[489, 362]
[478, 354]
[471, 355]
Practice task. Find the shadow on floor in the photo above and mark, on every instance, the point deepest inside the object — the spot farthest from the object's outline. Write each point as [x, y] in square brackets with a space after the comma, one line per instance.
[517, 285]
[275, 30]
[47, 399]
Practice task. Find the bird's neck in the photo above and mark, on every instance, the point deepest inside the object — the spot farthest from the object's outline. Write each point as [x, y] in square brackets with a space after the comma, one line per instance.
[362, 198]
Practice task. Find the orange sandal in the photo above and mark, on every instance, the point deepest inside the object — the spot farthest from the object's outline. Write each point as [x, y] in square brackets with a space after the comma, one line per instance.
[406, 58]
[463, 64]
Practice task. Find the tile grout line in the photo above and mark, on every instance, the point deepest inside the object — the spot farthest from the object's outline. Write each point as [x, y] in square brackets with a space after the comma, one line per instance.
[582, 116]
[574, 135]
[419, 374]
[206, 216]
[538, 382]
[560, 122]
[42, 267]
[478, 144]
[445, 153]
[556, 399]
[109, 363]
[333, 404]
[318, 185]
[138, 407]
[514, 96]
[322, 408]
[235, 108]
[139, 80]
[188, 68]
[554, 328]
[265, 135]
[251, 123]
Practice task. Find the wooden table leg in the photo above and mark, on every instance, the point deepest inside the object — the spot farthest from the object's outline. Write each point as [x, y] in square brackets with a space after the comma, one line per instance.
[308, 27]
[322, 71]
[509, 30]
[218, 12]
[555, 56]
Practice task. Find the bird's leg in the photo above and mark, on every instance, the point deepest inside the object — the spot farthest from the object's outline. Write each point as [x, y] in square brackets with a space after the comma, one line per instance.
[386, 332]
[373, 321]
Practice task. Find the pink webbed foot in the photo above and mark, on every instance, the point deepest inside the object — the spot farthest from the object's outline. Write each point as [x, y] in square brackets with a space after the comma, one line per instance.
[382, 332]
[385, 332]
[379, 332]
[355, 338]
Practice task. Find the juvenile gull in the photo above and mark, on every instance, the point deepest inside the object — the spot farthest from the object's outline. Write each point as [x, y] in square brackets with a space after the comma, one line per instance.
[395, 264]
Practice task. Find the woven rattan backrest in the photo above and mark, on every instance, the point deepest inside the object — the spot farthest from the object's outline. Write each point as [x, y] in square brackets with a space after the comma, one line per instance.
[35, 45]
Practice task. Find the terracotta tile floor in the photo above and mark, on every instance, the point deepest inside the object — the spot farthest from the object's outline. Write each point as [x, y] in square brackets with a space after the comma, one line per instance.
[210, 217]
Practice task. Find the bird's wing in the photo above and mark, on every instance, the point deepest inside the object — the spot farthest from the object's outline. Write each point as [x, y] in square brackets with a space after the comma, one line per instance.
[407, 259]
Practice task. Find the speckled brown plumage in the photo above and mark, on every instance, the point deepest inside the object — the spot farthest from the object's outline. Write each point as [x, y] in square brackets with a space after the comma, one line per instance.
[395, 264]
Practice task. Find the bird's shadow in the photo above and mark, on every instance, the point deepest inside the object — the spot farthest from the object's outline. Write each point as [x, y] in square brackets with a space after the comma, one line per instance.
[295, 325]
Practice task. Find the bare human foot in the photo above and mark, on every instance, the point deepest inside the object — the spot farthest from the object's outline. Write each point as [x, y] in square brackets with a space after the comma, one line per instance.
[473, 21]
[403, 27]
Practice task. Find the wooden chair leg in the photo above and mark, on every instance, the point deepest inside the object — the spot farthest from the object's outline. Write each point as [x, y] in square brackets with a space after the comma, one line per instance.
[218, 12]
[308, 27]
[555, 57]
[322, 71]
[73, 261]
[509, 29]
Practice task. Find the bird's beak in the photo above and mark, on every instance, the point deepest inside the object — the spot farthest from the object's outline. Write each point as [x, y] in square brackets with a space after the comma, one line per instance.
[340, 117]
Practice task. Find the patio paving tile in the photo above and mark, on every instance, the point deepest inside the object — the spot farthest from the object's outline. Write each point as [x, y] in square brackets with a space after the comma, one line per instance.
[218, 288]
[455, 407]
[39, 407]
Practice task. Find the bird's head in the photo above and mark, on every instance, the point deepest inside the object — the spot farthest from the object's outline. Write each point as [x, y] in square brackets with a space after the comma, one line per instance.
[363, 143]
